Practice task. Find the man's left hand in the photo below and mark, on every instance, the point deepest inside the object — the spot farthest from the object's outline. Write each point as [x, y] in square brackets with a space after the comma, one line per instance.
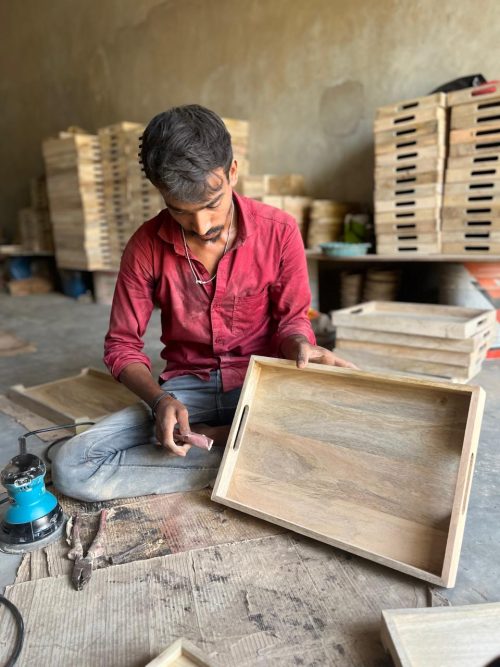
[300, 350]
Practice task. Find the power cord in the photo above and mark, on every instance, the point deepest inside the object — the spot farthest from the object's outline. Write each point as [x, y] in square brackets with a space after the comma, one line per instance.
[20, 630]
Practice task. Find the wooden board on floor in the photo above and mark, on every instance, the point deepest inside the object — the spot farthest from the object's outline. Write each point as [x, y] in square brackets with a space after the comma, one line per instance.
[277, 601]
[376, 465]
[11, 345]
[92, 394]
[465, 636]
[416, 318]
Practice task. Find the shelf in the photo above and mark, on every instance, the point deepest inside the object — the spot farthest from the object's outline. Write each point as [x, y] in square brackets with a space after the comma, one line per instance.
[313, 255]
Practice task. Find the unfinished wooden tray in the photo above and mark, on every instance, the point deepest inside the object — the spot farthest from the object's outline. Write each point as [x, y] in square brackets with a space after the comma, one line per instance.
[466, 636]
[416, 318]
[90, 395]
[182, 653]
[376, 465]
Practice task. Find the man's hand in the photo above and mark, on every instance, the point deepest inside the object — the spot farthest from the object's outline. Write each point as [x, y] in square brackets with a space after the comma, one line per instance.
[299, 349]
[170, 412]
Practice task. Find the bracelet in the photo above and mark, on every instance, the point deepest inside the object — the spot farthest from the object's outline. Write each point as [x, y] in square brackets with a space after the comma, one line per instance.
[160, 398]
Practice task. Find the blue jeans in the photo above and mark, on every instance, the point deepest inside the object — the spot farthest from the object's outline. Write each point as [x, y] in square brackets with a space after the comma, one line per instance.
[119, 457]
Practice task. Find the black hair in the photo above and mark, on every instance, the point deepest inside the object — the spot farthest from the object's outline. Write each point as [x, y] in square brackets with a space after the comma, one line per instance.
[181, 147]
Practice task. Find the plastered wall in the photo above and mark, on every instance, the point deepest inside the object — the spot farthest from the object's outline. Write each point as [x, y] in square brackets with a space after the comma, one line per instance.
[308, 74]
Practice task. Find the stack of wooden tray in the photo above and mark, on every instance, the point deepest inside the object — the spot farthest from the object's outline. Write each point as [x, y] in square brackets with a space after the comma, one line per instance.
[117, 143]
[326, 222]
[239, 131]
[296, 206]
[410, 152]
[271, 185]
[422, 340]
[471, 213]
[76, 198]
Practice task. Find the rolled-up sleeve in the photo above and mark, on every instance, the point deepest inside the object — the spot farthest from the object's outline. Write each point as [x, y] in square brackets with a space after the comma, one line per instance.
[131, 311]
[291, 295]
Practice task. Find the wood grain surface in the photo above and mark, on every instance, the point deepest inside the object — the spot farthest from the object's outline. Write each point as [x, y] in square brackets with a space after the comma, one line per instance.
[466, 636]
[364, 462]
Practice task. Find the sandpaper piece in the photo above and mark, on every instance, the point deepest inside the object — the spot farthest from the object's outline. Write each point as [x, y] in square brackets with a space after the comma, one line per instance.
[147, 527]
[280, 600]
[11, 345]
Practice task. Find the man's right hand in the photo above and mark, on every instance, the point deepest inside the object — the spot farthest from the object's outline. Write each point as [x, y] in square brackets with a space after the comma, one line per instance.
[170, 412]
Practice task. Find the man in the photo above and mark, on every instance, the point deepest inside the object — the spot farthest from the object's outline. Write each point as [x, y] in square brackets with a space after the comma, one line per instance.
[230, 277]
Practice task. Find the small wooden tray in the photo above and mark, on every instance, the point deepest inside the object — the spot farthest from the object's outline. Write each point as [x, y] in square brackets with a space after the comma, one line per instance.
[379, 466]
[90, 395]
[182, 653]
[466, 636]
[416, 318]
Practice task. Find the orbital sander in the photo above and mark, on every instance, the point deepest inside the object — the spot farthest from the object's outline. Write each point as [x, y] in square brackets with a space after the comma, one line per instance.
[34, 518]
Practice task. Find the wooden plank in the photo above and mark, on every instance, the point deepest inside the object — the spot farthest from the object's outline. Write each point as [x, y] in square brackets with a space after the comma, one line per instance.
[464, 224]
[411, 143]
[405, 157]
[182, 653]
[479, 187]
[411, 106]
[409, 168]
[474, 161]
[486, 91]
[412, 180]
[480, 342]
[476, 113]
[471, 247]
[409, 248]
[479, 212]
[90, 395]
[465, 360]
[473, 174]
[416, 318]
[397, 228]
[331, 464]
[431, 127]
[471, 236]
[407, 237]
[410, 203]
[476, 134]
[407, 190]
[479, 147]
[414, 215]
[464, 636]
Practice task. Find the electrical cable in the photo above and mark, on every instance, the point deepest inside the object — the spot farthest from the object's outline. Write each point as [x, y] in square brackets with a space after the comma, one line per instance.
[20, 630]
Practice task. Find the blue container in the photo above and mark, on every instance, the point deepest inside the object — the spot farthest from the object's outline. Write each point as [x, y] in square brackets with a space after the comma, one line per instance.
[340, 249]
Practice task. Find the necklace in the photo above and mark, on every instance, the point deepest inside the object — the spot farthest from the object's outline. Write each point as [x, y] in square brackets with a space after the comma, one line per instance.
[196, 277]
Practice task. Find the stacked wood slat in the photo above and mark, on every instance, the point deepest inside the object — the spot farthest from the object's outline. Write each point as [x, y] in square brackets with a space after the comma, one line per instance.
[35, 228]
[326, 222]
[296, 206]
[447, 342]
[471, 213]
[239, 131]
[76, 198]
[410, 152]
[271, 185]
[130, 199]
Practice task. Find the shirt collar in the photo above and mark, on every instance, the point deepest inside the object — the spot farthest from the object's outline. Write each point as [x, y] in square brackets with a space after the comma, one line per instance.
[170, 230]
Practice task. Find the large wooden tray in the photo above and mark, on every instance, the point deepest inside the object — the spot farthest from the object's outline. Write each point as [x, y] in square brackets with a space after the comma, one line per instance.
[416, 318]
[379, 466]
[466, 636]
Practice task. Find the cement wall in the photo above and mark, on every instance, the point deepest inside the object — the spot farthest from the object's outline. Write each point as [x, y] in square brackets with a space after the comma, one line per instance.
[308, 74]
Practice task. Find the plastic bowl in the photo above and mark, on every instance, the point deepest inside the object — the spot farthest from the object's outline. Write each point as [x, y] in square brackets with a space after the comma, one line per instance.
[340, 249]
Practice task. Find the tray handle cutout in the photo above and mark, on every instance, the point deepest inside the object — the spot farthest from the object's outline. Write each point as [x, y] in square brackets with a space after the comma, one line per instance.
[241, 428]
[478, 324]
[468, 483]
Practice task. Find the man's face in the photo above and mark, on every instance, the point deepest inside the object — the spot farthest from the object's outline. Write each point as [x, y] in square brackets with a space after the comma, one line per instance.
[205, 221]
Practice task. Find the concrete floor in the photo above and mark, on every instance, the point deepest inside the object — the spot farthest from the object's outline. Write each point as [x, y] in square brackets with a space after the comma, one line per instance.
[69, 336]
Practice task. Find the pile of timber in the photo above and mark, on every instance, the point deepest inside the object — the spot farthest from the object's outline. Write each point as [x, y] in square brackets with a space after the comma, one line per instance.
[283, 191]
[76, 199]
[35, 228]
[326, 222]
[129, 198]
[422, 340]
[410, 152]
[240, 133]
[471, 213]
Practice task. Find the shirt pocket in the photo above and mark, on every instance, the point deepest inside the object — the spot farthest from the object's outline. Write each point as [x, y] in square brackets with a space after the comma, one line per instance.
[250, 312]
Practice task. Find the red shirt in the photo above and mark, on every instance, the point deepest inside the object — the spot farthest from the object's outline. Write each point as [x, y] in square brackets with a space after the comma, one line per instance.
[260, 296]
